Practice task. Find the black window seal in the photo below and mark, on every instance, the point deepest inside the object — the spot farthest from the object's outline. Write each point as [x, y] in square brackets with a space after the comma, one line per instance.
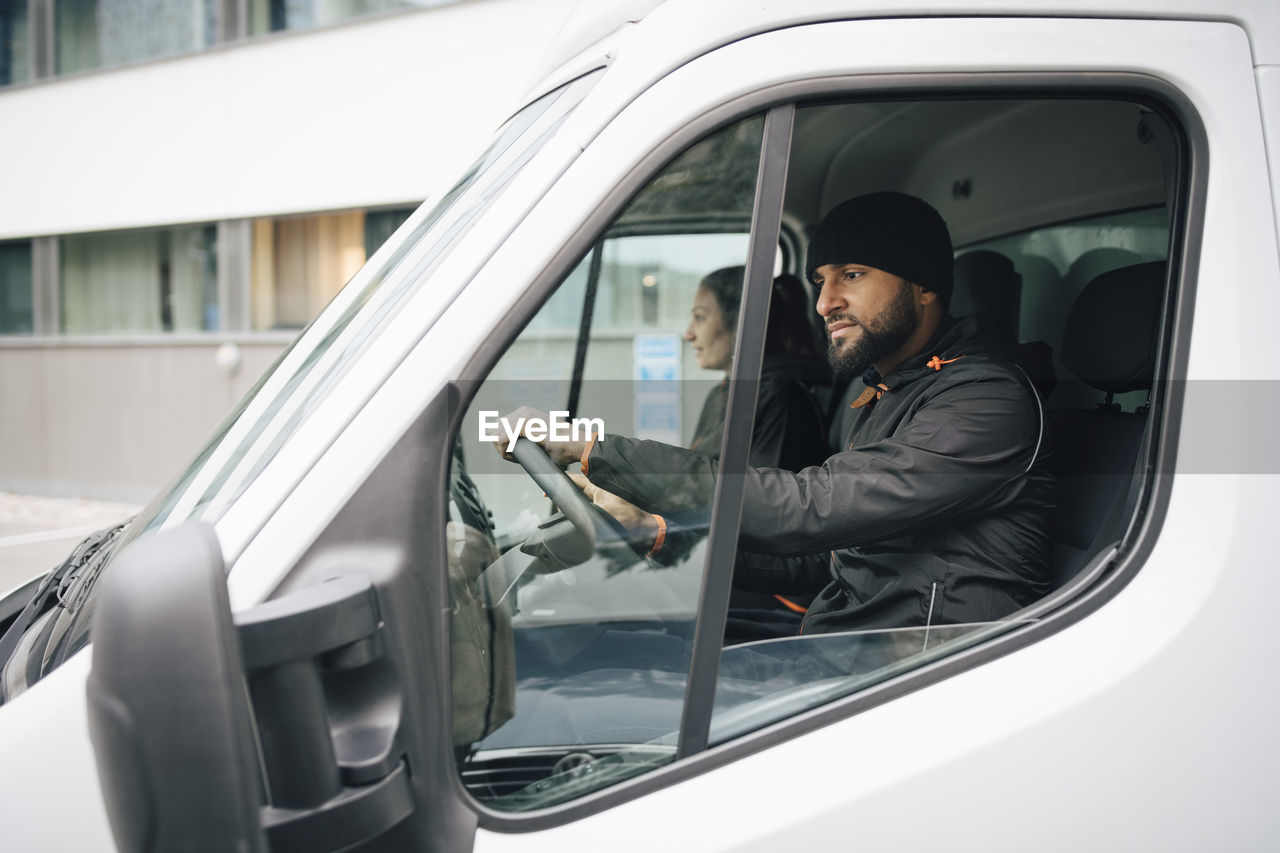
[584, 327]
[1186, 226]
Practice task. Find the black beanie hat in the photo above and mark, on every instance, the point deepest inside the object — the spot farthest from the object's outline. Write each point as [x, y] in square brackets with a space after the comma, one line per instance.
[894, 232]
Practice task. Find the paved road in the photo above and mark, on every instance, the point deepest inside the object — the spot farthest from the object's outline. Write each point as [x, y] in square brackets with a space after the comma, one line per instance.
[36, 533]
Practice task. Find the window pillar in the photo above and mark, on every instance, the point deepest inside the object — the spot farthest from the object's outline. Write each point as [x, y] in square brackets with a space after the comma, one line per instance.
[234, 272]
[41, 28]
[235, 18]
[46, 302]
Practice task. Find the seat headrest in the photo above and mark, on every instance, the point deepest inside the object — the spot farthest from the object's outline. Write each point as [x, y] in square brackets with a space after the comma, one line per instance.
[988, 287]
[1109, 340]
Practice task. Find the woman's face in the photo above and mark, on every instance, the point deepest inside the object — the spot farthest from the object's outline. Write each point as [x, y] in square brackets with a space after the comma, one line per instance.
[712, 342]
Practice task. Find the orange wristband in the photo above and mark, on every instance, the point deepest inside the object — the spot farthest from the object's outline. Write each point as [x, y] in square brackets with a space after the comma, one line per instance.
[586, 454]
[661, 537]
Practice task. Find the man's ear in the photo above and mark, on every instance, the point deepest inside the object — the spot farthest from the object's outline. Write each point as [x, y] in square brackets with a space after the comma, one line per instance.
[925, 297]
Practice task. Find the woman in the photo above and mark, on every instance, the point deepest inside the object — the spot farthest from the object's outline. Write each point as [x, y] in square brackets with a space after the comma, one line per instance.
[788, 430]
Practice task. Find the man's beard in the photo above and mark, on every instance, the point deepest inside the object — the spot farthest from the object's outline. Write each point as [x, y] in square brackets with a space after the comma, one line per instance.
[882, 336]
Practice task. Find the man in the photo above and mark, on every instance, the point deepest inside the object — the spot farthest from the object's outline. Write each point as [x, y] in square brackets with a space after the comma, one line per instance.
[936, 510]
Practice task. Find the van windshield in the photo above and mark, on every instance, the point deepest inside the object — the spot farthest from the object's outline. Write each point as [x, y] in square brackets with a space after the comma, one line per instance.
[250, 437]
[252, 434]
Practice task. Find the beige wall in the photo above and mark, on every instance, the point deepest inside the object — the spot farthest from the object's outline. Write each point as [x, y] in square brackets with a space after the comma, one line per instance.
[116, 419]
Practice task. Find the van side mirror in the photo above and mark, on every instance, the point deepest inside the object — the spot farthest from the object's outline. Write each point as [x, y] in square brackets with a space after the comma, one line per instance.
[276, 730]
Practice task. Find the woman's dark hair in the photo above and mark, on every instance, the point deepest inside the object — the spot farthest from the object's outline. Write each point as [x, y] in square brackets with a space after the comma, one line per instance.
[725, 284]
[789, 332]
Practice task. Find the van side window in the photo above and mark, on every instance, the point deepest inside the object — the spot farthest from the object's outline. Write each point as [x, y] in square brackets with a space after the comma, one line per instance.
[1072, 304]
[570, 638]
[576, 614]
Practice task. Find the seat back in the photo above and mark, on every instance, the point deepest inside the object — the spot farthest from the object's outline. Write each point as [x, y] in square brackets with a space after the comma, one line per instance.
[1109, 342]
[989, 287]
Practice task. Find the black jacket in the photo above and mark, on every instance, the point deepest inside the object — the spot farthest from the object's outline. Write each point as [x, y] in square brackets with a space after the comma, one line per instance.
[788, 430]
[936, 513]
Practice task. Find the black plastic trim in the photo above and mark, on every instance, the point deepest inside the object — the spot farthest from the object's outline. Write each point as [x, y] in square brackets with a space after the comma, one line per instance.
[748, 356]
[391, 529]
[352, 818]
[171, 727]
[17, 599]
[1185, 229]
[317, 619]
[584, 328]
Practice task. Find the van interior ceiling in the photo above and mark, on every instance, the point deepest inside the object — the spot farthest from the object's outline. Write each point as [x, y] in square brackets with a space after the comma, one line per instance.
[990, 167]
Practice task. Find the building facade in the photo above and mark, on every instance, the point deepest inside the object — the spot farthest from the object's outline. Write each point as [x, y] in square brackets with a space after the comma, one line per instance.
[188, 182]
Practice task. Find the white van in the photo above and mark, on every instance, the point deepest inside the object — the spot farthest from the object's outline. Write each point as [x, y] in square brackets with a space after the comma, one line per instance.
[406, 667]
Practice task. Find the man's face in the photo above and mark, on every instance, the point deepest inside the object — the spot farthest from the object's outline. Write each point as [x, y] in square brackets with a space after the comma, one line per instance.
[870, 314]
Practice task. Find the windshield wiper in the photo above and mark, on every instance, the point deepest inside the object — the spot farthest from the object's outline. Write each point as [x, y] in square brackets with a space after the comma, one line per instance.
[65, 586]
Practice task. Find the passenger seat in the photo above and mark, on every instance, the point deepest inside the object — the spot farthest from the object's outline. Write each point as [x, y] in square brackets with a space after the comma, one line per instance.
[1109, 342]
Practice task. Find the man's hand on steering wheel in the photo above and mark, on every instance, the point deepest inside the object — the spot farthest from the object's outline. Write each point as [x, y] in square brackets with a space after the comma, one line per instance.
[640, 525]
[544, 460]
[519, 423]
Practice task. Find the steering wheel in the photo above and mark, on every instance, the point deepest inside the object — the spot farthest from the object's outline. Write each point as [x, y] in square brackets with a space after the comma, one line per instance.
[602, 531]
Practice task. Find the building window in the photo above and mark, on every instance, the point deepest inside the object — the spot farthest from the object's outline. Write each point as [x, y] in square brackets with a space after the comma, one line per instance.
[15, 288]
[15, 39]
[155, 280]
[92, 34]
[268, 16]
[100, 33]
[301, 262]
[379, 225]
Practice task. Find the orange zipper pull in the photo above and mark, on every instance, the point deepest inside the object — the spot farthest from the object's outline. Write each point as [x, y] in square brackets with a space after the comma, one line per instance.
[936, 362]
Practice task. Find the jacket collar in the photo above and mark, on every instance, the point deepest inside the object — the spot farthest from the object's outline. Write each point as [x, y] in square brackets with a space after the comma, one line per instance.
[952, 339]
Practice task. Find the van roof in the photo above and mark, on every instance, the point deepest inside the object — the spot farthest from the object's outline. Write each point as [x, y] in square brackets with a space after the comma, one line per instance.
[661, 36]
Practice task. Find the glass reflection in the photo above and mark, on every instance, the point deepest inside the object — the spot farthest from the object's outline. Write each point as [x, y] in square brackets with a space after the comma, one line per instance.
[15, 288]
[149, 280]
[15, 39]
[571, 637]
[269, 16]
[101, 33]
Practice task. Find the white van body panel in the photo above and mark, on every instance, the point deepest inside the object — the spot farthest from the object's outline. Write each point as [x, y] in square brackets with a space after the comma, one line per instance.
[54, 802]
